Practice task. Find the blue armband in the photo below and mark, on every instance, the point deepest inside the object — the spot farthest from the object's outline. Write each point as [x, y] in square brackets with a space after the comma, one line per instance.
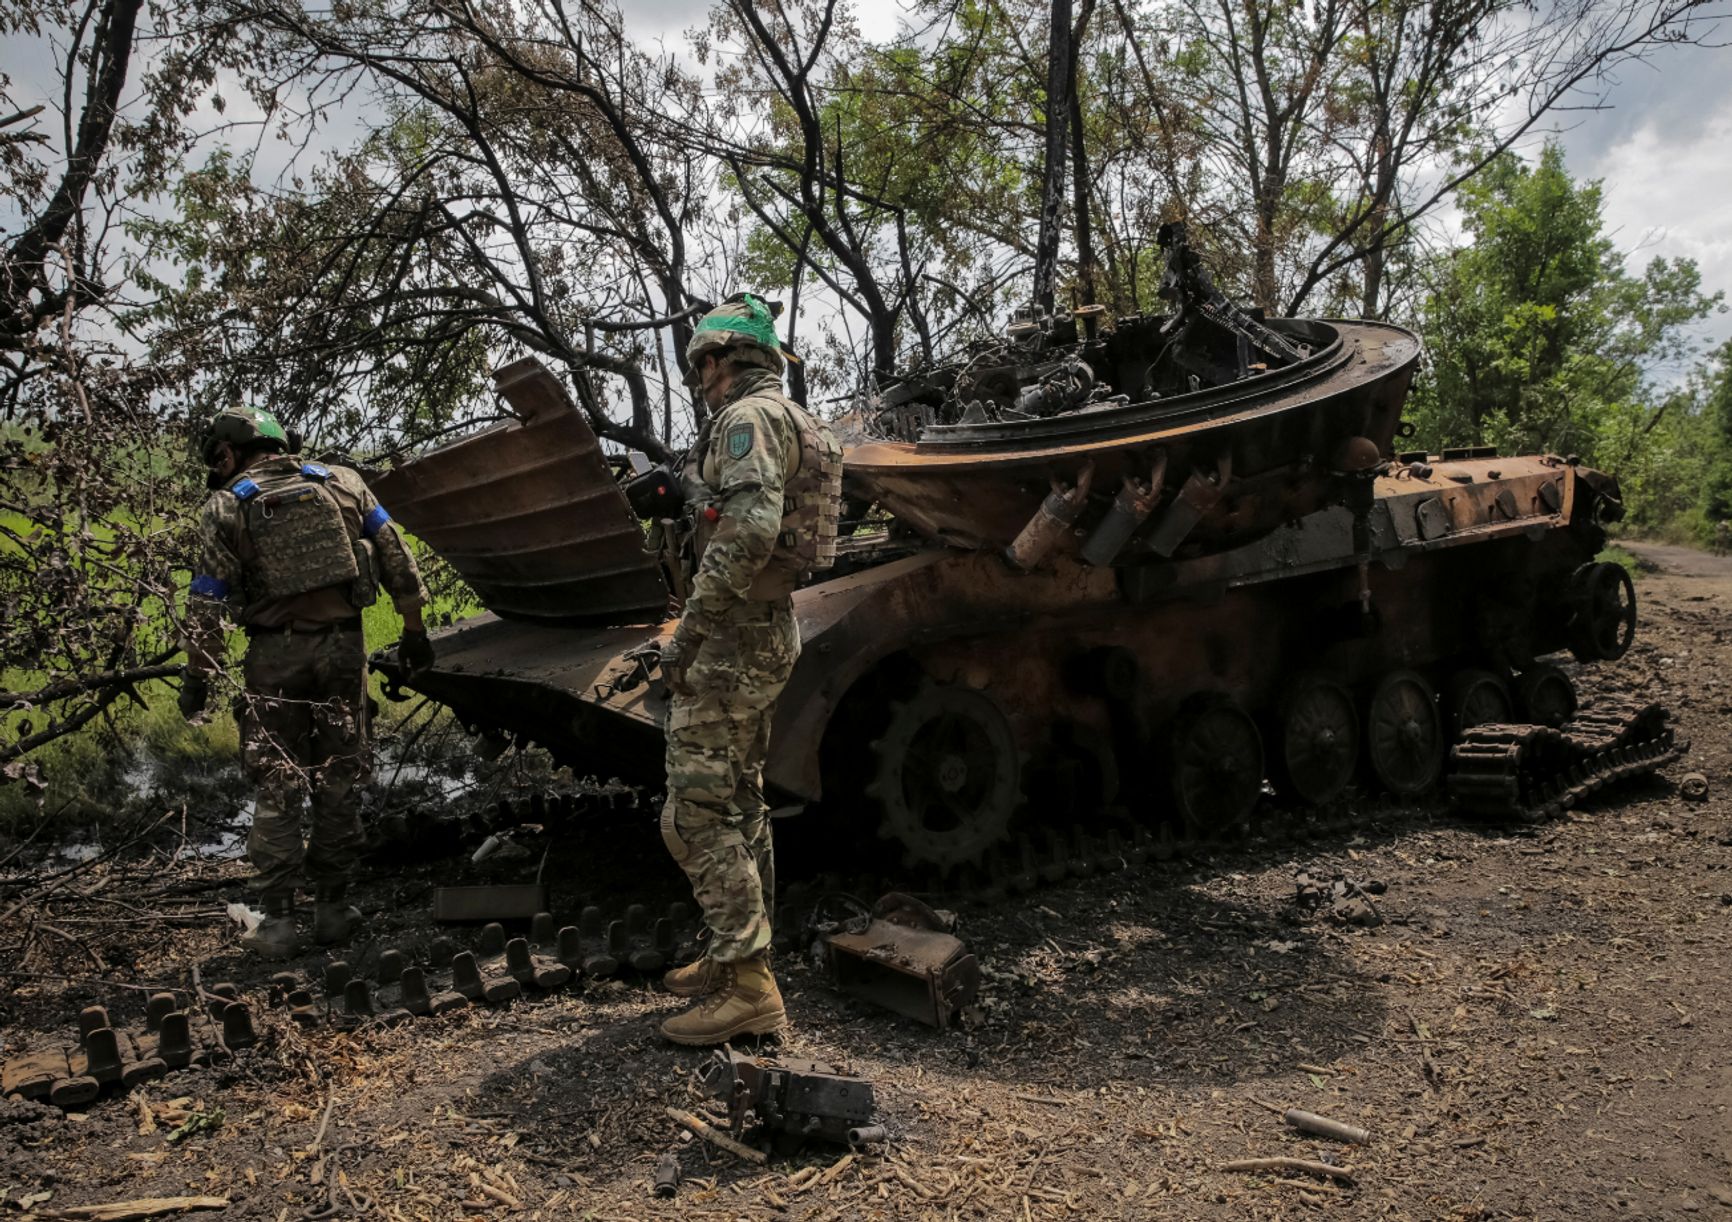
[374, 522]
[206, 586]
[313, 470]
[244, 489]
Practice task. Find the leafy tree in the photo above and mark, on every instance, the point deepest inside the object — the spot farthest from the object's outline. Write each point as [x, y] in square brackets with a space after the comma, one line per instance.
[1538, 338]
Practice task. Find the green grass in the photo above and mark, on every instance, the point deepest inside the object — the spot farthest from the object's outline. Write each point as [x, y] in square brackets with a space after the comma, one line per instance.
[84, 772]
[1617, 555]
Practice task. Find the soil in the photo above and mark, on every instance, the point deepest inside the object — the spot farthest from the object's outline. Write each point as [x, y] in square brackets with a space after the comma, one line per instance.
[1539, 1028]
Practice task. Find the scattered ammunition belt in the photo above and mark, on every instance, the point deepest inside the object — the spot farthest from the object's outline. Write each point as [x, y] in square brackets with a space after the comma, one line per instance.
[1534, 773]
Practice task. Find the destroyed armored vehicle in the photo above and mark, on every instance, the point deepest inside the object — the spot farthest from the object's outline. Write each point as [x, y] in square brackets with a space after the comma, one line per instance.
[1144, 563]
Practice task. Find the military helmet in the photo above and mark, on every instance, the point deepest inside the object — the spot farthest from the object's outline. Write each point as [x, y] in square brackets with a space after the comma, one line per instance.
[745, 326]
[239, 426]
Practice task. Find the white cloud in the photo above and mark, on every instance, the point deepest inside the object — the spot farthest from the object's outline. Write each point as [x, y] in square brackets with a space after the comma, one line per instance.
[1666, 192]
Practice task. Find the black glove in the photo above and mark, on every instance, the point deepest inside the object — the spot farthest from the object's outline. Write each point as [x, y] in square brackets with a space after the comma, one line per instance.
[415, 651]
[194, 694]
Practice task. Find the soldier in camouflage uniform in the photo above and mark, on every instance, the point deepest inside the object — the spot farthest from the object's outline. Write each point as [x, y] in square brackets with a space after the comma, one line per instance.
[293, 551]
[763, 489]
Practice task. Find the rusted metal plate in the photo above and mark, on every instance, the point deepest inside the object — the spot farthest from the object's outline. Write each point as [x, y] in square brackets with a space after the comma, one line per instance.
[34, 1075]
[1276, 435]
[918, 973]
[529, 513]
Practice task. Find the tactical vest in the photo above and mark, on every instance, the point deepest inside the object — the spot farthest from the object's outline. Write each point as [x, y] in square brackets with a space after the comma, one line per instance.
[811, 505]
[300, 543]
[811, 499]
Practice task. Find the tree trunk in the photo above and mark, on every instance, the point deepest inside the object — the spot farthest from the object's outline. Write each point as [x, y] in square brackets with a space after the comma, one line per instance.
[1058, 86]
[1085, 247]
[1263, 290]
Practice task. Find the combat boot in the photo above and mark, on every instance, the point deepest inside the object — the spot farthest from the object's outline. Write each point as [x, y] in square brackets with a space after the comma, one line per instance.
[748, 1003]
[333, 920]
[275, 937]
[697, 979]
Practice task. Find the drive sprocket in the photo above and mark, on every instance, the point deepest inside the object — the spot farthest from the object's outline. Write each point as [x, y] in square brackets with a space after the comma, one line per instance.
[948, 777]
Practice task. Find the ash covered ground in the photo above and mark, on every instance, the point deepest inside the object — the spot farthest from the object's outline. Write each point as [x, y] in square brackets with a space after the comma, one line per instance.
[1538, 1029]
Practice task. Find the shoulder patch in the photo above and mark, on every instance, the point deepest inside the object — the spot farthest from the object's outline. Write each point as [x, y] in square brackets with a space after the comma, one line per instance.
[739, 440]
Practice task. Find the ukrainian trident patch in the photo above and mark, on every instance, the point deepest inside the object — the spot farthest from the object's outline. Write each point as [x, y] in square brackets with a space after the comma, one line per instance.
[739, 441]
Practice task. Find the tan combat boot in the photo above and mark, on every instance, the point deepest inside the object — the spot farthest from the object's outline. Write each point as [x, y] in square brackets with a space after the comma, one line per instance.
[276, 936]
[696, 979]
[333, 920]
[747, 1004]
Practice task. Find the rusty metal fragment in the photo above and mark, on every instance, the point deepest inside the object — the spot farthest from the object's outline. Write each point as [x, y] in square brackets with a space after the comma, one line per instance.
[923, 972]
[530, 969]
[34, 1075]
[468, 980]
[793, 1099]
[174, 1039]
[667, 1177]
[530, 513]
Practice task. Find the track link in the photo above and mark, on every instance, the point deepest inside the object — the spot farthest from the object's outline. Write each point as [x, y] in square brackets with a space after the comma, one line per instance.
[1531, 773]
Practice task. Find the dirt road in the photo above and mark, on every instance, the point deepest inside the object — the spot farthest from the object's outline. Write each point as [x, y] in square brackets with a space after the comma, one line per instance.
[1541, 1028]
[1682, 561]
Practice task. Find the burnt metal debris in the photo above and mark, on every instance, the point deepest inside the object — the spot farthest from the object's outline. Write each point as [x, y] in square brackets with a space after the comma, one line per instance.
[177, 1033]
[1350, 900]
[903, 956]
[1530, 773]
[400, 987]
[1138, 564]
[792, 1101]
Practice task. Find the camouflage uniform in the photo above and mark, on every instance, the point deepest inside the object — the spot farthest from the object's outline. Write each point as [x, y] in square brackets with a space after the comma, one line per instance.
[303, 714]
[738, 641]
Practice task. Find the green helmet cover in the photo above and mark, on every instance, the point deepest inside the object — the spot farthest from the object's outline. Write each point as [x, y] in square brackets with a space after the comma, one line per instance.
[742, 319]
[238, 426]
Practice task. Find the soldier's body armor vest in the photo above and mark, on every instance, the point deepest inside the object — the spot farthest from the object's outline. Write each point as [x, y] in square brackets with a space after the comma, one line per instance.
[299, 540]
[812, 498]
[811, 505]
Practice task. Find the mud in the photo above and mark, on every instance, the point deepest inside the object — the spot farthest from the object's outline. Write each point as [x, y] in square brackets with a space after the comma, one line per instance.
[1537, 1030]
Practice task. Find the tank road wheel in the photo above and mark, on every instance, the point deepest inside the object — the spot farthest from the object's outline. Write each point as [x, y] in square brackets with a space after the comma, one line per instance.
[1404, 742]
[1476, 698]
[1603, 612]
[1316, 742]
[1545, 695]
[948, 776]
[1216, 764]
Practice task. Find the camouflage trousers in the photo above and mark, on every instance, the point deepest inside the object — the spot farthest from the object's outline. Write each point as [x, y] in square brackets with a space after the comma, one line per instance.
[716, 822]
[303, 723]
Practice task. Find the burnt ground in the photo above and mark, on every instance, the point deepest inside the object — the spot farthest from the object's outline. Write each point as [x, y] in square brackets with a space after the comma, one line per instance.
[1539, 1029]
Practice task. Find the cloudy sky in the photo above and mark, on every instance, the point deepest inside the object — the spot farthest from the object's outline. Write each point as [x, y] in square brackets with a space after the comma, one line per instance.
[1664, 153]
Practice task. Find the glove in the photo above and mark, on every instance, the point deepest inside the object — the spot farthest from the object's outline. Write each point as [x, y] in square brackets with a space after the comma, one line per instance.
[194, 695]
[415, 651]
[677, 656]
[673, 668]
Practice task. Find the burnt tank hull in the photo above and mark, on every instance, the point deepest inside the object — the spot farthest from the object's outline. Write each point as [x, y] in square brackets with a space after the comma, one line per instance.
[951, 699]
[1273, 443]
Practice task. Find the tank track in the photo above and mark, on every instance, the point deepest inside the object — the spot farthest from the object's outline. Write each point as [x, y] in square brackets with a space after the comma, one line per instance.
[1530, 774]
[1525, 773]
